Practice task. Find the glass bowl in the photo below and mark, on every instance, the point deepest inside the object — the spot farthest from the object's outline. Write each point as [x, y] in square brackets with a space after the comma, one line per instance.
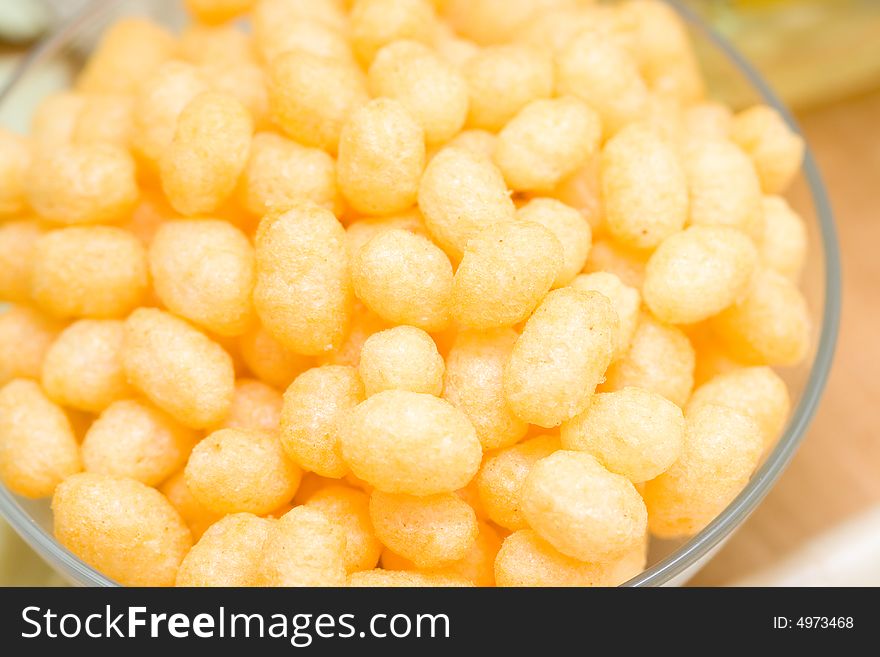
[51, 65]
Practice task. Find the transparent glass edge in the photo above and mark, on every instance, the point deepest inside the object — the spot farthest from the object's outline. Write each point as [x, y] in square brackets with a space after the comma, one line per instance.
[20, 521]
[37, 538]
[761, 482]
[56, 40]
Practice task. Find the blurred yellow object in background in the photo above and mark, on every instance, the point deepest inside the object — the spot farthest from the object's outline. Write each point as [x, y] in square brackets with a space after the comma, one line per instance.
[812, 52]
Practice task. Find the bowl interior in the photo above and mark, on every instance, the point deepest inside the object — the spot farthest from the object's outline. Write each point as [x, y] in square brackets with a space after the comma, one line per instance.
[52, 66]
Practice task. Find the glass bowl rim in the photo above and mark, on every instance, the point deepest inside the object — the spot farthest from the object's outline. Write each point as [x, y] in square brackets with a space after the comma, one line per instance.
[698, 546]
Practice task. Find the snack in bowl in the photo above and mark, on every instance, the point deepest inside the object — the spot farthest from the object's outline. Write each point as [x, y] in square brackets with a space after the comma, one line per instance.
[401, 293]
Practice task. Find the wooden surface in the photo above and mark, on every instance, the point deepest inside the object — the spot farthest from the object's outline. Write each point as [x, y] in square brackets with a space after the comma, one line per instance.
[836, 473]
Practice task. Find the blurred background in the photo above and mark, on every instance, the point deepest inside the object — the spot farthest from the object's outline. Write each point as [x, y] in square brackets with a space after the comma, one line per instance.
[821, 522]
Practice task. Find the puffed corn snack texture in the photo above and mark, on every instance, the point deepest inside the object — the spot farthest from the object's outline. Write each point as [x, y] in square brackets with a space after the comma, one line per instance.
[394, 293]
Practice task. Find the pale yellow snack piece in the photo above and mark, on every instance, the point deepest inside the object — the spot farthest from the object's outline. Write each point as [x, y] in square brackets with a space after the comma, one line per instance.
[89, 271]
[302, 34]
[546, 141]
[105, 118]
[124, 529]
[662, 46]
[17, 242]
[525, 559]
[783, 243]
[201, 166]
[25, 337]
[609, 257]
[235, 470]
[452, 48]
[203, 270]
[723, 186]
[770, 325]
[721, 449]
[364, 323]
[350, 509]
[131, 439]
[632, 432]
[270, 361]
[83, 367]
[500, 479]
[433, 92]
[697, 273]
[218, 11]
[430, 531]
[495, 21]
[255, 405]
[311, 97]
[376, 23]
[664, 115]
[82, 183]
[596, 68]
[38, 449]
[568, 226]
[408, 442]
[757, 392]
[381, 158]
[363, 230]
[477, 566]
[633, 563]
[280, 173]
[246, 82]
[159, 100]
[491, 288]
[776, 150]
[313, 407]
[401, 358]
[227, 554]
[707, 120]
[307, 25]
[582, 509]
[660, 359]
[643, 186]
[54, 119]
[625, 300]
[195, 515]
[216, 45]
[305, 547]
[129, 51]
[476, 142]
[178, 368]
[15, 160]
[502, 80]
[562, 354]
[405, 279]
[474, 384]
[379, 577]
[460, 194]
[554, 28]
[302, 255]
